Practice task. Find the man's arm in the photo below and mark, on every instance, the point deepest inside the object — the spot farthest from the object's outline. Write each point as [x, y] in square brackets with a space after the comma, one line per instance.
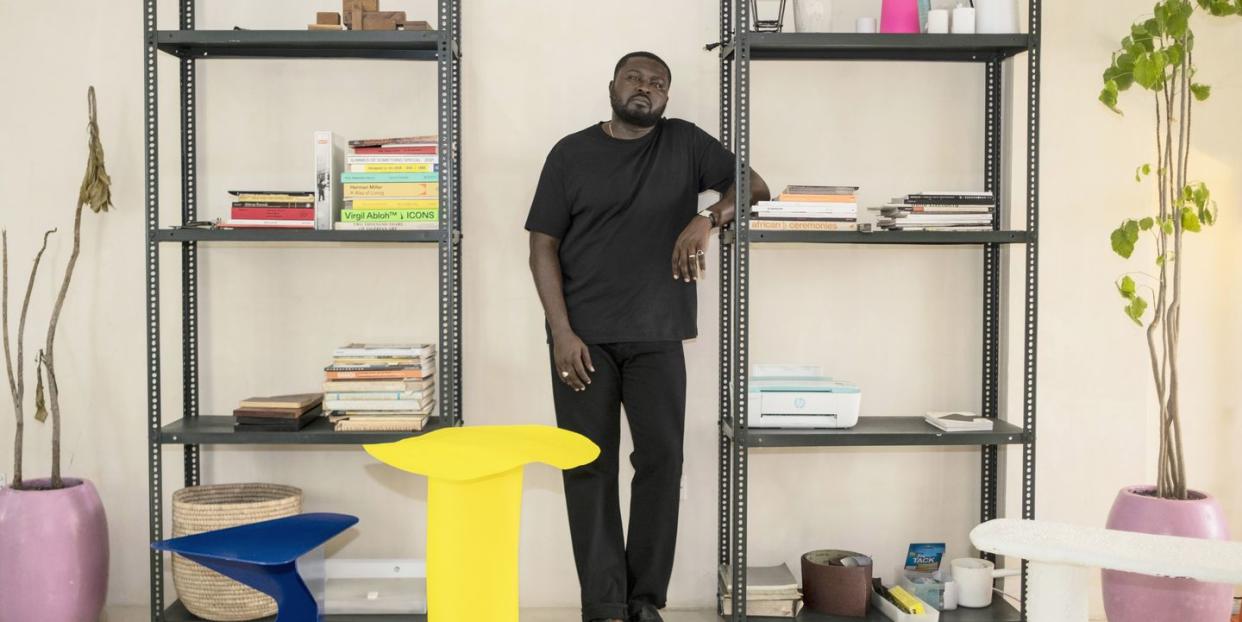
[688, 262]
[568, 351]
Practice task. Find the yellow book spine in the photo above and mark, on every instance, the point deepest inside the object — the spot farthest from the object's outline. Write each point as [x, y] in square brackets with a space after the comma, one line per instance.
[391, 190]
[393, 168]
[399, 204]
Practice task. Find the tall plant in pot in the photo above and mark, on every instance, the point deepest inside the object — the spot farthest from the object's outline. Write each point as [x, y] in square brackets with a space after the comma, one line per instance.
[1157, 58]
[53, 531]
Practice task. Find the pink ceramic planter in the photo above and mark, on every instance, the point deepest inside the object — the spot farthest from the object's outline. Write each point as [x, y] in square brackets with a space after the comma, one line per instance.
[1139, 598]
[53, 553]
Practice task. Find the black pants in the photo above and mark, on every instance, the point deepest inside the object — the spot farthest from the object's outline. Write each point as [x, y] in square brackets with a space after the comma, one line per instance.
[617, 575]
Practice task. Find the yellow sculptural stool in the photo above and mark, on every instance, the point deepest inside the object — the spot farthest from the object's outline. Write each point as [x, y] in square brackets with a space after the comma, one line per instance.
[474, 506]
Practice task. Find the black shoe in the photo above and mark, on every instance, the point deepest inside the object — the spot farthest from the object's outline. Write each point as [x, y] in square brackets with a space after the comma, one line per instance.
[646, 613]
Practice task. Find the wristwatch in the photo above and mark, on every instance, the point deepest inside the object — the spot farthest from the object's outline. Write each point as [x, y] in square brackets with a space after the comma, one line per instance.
[710, 216]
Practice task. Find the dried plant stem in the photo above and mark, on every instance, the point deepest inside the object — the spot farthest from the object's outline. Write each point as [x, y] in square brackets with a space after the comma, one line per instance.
[17, 384]
[47, 354]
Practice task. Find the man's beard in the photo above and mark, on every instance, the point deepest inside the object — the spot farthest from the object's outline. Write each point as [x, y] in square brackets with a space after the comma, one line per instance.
[639, 119]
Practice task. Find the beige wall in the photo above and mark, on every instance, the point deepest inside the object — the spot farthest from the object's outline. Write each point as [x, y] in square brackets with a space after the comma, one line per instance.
[904, 323]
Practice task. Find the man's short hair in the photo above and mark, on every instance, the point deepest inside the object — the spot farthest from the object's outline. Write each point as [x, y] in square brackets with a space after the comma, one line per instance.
[653, 57]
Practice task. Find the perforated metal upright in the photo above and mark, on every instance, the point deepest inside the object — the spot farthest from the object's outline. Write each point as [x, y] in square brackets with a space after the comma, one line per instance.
[739, 48]
[191, 46]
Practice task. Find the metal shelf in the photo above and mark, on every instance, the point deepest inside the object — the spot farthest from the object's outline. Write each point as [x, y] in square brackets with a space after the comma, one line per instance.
[989, 52]
[218, 430]
[293, 235]
[178, 613]
[394, 44]
[879, 432]
[891, 237]
[191, 45]
[890, 47]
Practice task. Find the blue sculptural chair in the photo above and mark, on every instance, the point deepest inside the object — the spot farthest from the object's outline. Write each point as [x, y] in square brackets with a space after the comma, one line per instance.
[264, 556]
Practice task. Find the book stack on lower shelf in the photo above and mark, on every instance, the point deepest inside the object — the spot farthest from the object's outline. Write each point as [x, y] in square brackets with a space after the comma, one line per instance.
[808, 208]
[279, 413]
[381, 388]
[771, 591]
[271, 209]
[939, 211]
[391, 184]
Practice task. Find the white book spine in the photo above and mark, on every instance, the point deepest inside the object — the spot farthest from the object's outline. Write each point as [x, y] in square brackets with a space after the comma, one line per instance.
[329, 156]
[387, 226]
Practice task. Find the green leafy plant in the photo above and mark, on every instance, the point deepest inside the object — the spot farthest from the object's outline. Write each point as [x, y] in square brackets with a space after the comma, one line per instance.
[94, 192]
[1158, 58]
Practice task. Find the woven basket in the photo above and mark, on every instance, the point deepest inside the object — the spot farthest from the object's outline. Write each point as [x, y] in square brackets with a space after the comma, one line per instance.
[206, 593]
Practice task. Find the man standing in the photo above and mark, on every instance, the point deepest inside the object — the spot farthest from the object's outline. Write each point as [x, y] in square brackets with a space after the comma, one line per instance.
[615, 201]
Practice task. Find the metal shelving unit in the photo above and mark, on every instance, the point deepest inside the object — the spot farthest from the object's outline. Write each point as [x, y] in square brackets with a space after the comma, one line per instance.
[739, 48]
[191, 46]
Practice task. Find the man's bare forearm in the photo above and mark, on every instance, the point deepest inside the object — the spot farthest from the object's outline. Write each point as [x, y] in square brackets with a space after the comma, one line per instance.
[545, 266]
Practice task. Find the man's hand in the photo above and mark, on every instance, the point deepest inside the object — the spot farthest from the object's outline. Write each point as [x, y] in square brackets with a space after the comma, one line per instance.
[573, 360]
[690, 251]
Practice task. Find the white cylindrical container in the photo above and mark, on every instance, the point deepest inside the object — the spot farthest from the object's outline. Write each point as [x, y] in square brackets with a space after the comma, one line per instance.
[996, 16]
[973, 577]
[963, 20]
[812, 15]
[865, 25]
[938, 21]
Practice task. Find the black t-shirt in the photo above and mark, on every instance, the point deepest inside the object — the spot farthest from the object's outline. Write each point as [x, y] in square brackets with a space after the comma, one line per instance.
[617, 207]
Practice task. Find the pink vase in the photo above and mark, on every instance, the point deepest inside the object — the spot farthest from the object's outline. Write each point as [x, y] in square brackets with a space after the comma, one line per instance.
[899, 16]
[1140, 598]
[53, 553]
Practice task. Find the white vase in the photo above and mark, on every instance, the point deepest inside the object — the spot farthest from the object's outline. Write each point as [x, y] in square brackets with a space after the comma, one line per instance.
[996, 16]
[812, 15]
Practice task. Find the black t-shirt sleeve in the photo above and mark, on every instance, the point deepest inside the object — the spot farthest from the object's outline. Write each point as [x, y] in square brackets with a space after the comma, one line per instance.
[714, 165]
[549, 211]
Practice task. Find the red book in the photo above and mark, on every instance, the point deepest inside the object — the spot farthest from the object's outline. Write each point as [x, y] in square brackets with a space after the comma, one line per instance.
[395, 150]
[273, 213]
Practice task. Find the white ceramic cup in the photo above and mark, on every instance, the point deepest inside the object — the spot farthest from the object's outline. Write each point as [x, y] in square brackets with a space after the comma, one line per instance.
[974, 578]
[938, 21]
[963, 21]
[865, 25]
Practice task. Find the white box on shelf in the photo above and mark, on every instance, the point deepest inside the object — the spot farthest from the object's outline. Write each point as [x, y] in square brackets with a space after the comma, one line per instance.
[890, 611]
[375, 586]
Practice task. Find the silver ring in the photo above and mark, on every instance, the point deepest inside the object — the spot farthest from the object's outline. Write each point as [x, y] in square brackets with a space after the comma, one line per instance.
[701, 252]
[564, 374]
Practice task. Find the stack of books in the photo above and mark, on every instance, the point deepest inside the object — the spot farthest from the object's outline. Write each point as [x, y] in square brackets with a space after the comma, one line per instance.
[372, 387]
[808, 208]
[391, 184]
[281, 413]
[958, 421]
[771, 591]
[939, 211]
[271, 209]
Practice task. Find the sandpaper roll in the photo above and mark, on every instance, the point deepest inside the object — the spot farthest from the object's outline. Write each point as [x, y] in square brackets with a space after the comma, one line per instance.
[835, 590]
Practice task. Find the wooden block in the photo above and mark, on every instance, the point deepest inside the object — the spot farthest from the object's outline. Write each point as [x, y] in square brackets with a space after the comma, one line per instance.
[324, 27]
[351, 11]
[382, 20]
[348, 6]
[417, 26]
[325, 18]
